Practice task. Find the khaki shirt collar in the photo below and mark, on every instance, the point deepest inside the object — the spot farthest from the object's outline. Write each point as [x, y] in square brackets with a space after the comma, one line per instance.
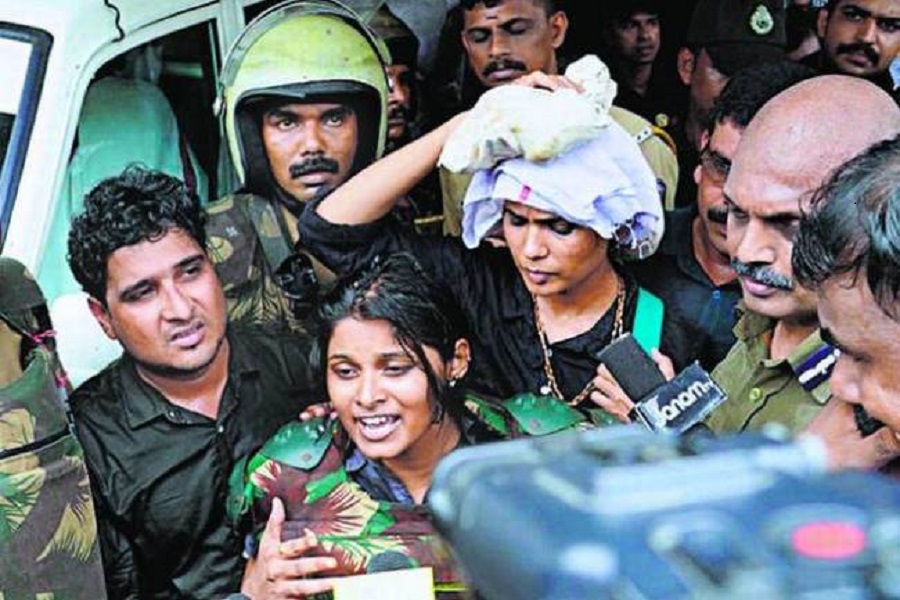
[811, 361]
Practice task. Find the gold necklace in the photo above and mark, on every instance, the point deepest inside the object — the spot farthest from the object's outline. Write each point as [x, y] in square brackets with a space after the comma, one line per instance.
[551, 388]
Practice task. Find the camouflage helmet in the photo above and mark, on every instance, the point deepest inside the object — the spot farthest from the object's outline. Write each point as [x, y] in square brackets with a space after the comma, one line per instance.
[21, 298]
[308, 51]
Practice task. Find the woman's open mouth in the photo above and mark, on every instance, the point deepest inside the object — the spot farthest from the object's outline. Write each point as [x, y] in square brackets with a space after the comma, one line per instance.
[377, 427]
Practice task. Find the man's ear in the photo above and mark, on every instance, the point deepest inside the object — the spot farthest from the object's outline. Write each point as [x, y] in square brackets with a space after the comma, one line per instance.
[465, 43]
[102, 315]
[704, 140]
[822, 23]
[686, 62]
[559, 25]
[462, 356]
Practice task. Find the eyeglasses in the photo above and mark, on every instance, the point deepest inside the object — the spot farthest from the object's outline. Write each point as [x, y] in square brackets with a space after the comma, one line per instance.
[715, 166]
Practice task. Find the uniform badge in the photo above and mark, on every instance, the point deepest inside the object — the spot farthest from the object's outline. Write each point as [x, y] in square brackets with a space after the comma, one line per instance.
[219, 248]
[817, 368]
[761, 21]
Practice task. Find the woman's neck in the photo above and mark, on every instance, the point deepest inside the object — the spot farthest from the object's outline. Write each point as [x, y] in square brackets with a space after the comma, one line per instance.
[575, 311]
[416, 466]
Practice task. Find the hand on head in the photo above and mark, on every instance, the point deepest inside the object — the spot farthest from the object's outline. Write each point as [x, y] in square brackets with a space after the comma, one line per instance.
[280, 568]
[539, 79]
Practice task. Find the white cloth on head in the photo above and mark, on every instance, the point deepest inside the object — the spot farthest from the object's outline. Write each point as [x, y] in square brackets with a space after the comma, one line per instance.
[514, 120]
[604, 184]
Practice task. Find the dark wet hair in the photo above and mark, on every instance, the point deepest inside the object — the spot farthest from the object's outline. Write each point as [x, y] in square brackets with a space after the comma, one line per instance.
[853, 227]
[421, 313]
[549, 6]
[138, 205]
[751, 87]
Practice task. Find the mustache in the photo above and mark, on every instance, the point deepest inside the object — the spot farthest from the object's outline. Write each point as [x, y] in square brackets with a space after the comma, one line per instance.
[717, 214]
[870, 52]
[317, 164]
[762, 274]
[500, 65]
[398, 111]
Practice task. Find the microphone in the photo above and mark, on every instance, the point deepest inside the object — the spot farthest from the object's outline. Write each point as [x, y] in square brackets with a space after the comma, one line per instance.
[676, 406]
[682, 403]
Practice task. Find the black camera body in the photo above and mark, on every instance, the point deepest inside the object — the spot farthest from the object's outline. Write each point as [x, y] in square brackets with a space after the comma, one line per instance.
[625, 514]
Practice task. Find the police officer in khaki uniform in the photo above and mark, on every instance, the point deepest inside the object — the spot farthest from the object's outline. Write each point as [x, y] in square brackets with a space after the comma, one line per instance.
[779, 368]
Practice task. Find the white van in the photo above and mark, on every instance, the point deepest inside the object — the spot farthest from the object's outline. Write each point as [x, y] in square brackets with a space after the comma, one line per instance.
[53, 52]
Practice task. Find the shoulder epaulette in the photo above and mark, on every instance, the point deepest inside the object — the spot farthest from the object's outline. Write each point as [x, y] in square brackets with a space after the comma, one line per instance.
[488, 413]
[300, 444]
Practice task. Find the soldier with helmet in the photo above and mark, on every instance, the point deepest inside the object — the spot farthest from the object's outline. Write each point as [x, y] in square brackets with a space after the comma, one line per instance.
[48, 532]
[304, 98]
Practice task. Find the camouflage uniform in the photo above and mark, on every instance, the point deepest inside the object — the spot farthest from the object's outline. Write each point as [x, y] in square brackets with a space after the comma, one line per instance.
[247, 241]
[762, 390]
[300, 52]
[305, 464]
[48, 533]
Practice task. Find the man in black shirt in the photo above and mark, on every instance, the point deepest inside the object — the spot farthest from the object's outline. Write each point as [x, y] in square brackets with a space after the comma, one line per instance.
[632, 34]
[164, 426]
[692, 271]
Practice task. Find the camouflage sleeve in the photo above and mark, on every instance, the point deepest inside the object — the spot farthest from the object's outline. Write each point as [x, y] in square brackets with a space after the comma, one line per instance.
[250, 290]
[347, 248]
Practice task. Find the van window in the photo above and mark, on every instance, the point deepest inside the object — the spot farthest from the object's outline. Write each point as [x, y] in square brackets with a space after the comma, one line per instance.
[23, 54]
[151, 105]
[251, 12]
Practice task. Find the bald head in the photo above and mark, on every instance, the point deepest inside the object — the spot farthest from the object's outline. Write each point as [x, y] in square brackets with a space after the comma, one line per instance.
[789, 148]
[815, 126]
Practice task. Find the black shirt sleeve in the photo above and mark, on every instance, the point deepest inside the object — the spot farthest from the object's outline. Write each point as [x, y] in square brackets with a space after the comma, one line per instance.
[119, 567]
[347, 248]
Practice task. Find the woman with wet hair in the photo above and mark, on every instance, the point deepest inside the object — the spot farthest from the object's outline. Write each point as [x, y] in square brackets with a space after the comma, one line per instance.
[393, 355]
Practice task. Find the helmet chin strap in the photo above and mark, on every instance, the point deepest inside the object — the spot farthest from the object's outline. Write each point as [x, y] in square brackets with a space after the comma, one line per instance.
[294, 206]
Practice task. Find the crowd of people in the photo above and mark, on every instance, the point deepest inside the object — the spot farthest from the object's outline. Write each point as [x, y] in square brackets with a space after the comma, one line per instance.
[299, 355]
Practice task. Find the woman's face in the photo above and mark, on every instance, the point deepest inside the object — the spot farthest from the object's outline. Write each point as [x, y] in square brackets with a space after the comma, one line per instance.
[379, 391]
[552, 255]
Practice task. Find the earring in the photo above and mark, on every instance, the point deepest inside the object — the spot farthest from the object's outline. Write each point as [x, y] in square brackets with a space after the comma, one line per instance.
[452, 382]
